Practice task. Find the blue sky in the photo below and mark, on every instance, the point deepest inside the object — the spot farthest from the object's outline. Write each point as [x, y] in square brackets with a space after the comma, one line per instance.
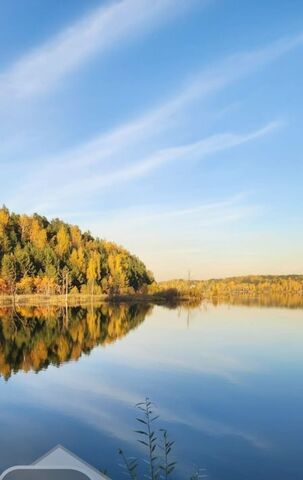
[173, 127]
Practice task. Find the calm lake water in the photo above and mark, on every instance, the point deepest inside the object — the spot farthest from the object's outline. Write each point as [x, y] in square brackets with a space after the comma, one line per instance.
[227, 382]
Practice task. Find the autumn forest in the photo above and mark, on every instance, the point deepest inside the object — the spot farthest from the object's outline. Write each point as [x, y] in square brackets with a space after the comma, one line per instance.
[52, 257]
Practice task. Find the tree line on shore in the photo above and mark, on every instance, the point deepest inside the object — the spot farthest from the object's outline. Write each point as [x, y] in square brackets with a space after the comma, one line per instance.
[247, 286]
[38, 256]
[53, 257]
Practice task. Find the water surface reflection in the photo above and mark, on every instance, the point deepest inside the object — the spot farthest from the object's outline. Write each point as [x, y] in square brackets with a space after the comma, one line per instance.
[32, 338]
[226, 380]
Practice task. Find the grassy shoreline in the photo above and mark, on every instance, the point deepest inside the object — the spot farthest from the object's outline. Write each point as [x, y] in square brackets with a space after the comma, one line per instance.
[167, 298]
[81, 299]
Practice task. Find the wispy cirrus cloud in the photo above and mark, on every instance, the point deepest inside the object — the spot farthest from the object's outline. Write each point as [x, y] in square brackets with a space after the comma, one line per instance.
[202, 148]
[42, 68]
[52, 193]
[105, 146]
[179, 225]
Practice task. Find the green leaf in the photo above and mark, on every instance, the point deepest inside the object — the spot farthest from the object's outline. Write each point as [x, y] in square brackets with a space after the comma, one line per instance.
[144, 443]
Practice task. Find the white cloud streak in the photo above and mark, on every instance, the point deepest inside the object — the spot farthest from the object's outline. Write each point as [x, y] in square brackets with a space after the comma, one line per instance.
[73, 165]
[41, 69]
[108, 144]
[142, 220]
[200, 149]
[61, 190]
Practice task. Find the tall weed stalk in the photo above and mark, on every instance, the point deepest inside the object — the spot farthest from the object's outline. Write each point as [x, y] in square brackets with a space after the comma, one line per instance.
[158, 453]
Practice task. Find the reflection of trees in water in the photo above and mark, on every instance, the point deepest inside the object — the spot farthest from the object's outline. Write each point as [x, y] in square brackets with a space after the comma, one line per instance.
[273, 300]
[174, 299]
[32, 338]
